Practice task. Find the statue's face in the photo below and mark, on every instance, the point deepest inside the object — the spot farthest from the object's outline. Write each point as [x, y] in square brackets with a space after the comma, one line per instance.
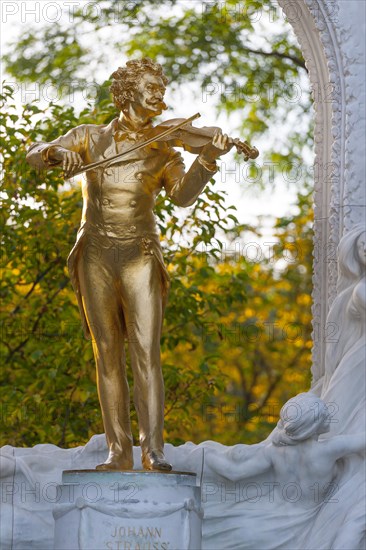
[149, 94]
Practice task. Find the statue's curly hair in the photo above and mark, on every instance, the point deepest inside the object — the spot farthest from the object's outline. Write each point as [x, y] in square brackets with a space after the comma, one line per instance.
[126, 79]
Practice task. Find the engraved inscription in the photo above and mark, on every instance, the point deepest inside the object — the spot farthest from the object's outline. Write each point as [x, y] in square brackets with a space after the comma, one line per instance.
[152, 532]
[136, 538]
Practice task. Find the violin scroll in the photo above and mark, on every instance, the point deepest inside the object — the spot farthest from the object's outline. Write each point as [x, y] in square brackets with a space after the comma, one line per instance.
[248, 151]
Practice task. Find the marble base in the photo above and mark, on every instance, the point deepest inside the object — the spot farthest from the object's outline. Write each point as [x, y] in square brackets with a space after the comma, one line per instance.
[130, 510]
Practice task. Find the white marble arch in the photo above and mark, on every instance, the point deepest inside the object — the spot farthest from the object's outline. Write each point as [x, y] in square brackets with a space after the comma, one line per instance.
[330, 35]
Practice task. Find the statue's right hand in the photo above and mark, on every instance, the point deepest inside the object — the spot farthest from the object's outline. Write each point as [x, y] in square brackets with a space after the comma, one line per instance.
[71, 161]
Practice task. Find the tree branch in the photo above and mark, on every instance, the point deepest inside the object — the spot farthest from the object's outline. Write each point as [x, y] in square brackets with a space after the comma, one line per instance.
[39, 277]
[37, 321]
[299, 62]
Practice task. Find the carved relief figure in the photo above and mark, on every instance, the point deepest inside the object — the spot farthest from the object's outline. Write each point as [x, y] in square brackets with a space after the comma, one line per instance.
[347, 314]
[292, 475]
[293, 450]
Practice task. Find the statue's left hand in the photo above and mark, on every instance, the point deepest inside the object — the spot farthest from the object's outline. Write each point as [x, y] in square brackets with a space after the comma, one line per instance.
[71, 161]
[220, 145]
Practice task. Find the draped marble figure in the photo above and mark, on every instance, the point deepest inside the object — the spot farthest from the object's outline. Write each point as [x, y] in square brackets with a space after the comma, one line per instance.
[283, 482]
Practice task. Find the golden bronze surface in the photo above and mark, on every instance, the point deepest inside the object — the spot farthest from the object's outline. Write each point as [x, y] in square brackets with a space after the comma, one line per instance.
[116, 266]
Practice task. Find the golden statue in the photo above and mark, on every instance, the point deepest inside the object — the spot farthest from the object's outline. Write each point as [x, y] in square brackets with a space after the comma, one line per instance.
[116, 266]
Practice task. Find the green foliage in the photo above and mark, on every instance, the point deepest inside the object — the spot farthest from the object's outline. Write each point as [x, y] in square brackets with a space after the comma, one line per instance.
[56, 52]
[212, 363]
[49, 381]
[239, 54]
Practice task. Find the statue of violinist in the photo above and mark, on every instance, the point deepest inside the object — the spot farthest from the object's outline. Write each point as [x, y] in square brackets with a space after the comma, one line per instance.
[116, 266]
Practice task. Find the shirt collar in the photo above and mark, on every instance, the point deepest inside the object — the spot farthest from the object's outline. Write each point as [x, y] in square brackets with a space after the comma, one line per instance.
[122, 130]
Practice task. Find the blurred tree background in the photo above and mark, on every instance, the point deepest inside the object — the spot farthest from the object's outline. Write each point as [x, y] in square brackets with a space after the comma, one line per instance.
[237, 334]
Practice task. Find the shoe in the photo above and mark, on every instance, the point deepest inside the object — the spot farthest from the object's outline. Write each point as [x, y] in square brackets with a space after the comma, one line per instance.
[155, 460]
[116, 462]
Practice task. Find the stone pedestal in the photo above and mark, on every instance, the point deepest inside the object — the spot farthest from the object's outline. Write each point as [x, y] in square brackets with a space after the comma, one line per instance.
[135, 510]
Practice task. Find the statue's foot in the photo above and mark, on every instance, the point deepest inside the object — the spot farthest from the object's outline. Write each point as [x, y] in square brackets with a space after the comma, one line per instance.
[116, 462]
[155, 460]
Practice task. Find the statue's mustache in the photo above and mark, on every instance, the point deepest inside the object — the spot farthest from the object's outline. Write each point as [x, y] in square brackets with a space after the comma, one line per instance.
[162, 103]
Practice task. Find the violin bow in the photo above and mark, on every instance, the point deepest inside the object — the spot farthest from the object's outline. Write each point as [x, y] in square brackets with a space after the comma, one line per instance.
[136, 147]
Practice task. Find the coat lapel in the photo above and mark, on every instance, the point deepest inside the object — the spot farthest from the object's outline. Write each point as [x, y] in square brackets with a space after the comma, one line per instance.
[103, 144]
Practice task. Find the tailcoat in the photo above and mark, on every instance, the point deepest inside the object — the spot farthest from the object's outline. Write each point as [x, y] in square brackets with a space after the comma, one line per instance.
[130, 287]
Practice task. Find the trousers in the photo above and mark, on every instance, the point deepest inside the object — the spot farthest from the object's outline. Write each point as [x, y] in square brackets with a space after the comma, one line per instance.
[122, 289]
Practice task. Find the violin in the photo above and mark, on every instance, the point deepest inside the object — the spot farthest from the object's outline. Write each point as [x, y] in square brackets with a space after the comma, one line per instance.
[179, 132]
[193, 139]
